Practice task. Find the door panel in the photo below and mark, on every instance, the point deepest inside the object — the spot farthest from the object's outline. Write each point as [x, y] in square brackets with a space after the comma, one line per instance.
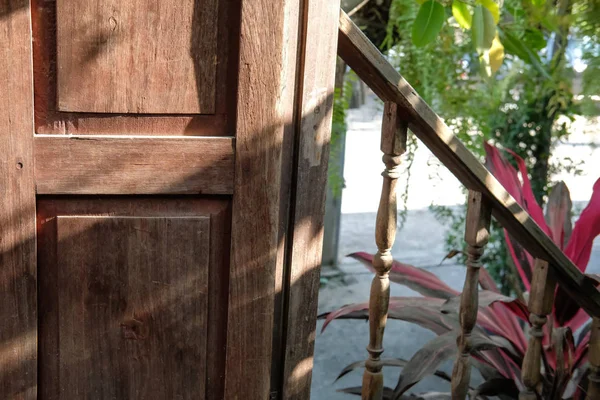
[131, 297]
[165, 69]
[136, 56]
[132, 307]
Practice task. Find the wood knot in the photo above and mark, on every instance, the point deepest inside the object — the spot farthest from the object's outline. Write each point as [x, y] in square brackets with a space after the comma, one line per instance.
[134, 330]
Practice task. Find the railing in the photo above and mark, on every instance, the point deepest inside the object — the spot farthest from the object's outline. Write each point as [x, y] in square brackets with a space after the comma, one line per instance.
[405, 109]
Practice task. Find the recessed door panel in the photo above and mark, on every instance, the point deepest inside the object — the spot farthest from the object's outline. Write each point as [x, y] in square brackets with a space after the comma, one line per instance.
[131, 300]
[137, 56]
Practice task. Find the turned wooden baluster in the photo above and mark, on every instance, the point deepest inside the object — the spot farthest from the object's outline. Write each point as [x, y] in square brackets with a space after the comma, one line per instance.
[393, 145]
[541, 298]
[477, 232]
[593, 390]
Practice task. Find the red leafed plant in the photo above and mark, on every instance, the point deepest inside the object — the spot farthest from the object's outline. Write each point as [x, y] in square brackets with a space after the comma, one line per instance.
[500, 335]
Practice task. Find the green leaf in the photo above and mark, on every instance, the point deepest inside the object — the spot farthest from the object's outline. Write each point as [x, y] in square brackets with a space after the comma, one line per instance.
[483, 30]
[516, 47]
[428, 23]
[461, 14]
[538, 3]
[534, 39]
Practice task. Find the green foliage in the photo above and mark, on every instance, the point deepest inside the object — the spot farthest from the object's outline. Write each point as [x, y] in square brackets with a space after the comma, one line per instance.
[516, 106]
[483, 29]
[341, 101]
[461, 14]
[496, 258]
[409, 157]
[428, 23]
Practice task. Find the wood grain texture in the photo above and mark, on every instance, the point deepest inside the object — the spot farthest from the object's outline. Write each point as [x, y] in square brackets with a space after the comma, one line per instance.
[132, 309]
[137, 56]
[393, 144]
[541, 300]
[133, 165]
[477, 233]
[593, 389]
[288, 162]
[18, 297]
[261, 96]
[370, 65]
[316, 77]
[168, 300]
[49, 120]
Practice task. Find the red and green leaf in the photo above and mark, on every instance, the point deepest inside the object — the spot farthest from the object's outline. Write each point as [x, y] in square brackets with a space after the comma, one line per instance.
[492, 315]
[417, 279]
[486, 299]
[558, 214]
[388, 362]
[426, 361]
[423, 311]
[585, 231]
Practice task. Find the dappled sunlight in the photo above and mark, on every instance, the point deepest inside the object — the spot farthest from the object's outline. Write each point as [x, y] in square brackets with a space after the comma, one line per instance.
[300, 376]
[15, 350]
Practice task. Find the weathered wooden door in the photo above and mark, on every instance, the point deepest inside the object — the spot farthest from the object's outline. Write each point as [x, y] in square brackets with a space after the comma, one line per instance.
[162, 180]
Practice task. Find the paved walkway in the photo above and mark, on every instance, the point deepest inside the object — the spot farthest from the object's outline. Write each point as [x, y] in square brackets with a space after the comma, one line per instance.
[420, 243]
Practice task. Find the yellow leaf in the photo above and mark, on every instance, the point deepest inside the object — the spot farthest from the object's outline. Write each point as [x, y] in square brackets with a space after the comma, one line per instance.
[492, 6]
[496, 54]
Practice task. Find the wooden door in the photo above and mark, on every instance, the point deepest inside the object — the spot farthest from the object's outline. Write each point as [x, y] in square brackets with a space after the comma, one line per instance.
[156, 156]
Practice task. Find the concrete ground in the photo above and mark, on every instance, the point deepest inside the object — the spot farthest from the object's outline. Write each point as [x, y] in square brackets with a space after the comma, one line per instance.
[420, 242]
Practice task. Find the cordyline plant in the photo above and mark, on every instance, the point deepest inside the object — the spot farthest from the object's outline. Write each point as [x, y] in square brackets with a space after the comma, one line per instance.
[500, 336]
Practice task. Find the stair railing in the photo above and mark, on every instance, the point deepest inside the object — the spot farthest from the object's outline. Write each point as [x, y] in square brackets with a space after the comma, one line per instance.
[404, 109]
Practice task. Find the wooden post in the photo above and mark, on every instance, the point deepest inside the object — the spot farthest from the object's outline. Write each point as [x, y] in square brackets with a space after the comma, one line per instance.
[593, 390]
[477, 232]
[18, 276]
[393, 145]
[541, 297]
[314, 112]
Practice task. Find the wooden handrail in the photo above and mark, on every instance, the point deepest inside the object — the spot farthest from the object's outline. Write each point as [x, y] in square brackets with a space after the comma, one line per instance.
[372, 67]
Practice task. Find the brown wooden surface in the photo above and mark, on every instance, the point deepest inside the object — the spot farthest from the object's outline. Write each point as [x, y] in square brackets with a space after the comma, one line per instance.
[314, 112]
[288, 103]
[136, 56]
[541, 300]
[127, 262]
[477, 233]
[18, 299]
[132, 306]
[133, 165]
[370, 65]
[48, 119]
[393, 144]
[263, 58]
